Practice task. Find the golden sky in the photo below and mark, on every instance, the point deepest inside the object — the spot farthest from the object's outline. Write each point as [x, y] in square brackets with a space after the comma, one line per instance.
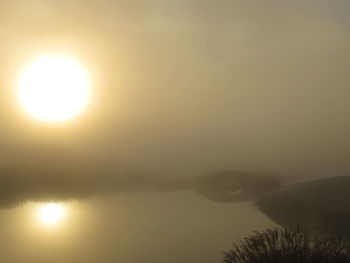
[232, 80]
[180, 88]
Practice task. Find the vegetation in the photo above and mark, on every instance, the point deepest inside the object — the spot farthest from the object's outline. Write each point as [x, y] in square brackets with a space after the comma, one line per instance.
[289, 245]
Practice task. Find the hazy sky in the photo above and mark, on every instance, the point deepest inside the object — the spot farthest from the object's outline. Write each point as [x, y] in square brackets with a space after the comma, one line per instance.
[187, 87]
[195, 85]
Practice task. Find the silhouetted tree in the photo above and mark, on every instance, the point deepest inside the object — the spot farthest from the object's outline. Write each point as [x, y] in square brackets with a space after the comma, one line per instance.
[288, 245]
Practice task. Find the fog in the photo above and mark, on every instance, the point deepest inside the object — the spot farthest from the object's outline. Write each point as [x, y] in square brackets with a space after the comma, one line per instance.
[44, 173]
[180, 89]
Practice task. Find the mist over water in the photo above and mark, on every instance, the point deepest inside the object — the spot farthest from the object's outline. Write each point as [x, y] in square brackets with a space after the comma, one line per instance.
[181, 89]
[136, 227]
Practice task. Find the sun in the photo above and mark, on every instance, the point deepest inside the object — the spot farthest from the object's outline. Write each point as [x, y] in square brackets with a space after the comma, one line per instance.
[51, 213]
[54, 88]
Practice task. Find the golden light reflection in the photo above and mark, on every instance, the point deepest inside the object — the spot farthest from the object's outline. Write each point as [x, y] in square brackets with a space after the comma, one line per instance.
[54, 88]
[51, 213]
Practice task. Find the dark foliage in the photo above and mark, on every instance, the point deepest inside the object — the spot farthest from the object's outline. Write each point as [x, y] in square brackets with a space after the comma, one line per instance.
[288, 245]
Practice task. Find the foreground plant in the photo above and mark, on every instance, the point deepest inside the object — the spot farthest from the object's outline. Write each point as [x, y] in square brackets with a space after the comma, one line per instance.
[288, 245]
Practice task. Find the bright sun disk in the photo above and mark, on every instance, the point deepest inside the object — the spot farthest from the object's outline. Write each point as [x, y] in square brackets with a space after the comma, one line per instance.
[54, 88]
[51, 213]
